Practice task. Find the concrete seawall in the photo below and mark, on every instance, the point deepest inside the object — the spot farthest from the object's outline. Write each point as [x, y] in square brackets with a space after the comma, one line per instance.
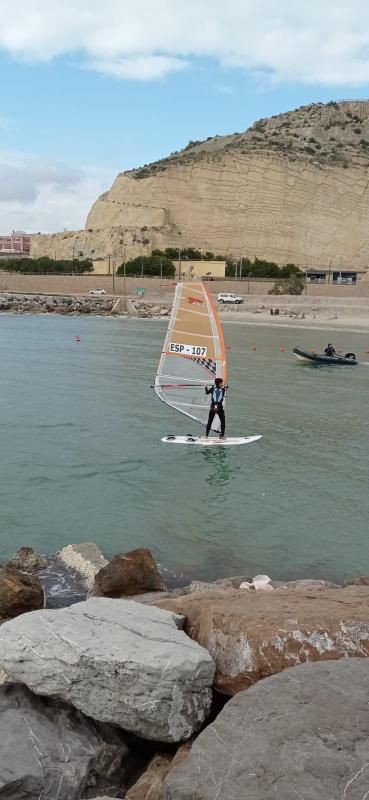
[155, 288]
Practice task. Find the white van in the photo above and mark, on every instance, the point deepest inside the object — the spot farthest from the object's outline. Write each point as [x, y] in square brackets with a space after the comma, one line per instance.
[229, 297]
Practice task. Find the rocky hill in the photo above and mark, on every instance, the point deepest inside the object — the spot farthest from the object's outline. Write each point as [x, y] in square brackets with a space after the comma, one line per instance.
[292, 188]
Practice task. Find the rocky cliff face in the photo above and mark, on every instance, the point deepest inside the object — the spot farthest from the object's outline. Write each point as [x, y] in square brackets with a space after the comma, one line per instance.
[291, 188]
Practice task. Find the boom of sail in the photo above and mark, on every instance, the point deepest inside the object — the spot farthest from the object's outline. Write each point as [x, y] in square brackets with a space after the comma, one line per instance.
[193, 355]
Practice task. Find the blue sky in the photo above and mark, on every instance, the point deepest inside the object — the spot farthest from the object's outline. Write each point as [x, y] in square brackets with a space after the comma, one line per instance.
[91, 89]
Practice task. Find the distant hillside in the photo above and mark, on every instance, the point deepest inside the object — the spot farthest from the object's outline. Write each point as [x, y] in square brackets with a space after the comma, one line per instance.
[292, 188]
[331, 134]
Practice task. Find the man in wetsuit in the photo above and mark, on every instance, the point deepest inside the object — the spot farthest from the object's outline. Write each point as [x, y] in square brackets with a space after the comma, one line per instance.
[218, 393]
[330, 351]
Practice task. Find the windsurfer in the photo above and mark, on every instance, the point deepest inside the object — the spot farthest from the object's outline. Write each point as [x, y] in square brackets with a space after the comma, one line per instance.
[218, 393]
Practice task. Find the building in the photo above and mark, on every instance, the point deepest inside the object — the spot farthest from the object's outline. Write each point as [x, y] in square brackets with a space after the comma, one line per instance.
[16, 244]
[333, 275]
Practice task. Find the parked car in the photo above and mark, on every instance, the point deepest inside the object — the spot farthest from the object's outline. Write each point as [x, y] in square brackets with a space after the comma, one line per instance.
[98, 292]
[229, 297]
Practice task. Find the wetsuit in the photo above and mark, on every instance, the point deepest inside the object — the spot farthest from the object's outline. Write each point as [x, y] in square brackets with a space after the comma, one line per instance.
[216, 407]
[329, 351]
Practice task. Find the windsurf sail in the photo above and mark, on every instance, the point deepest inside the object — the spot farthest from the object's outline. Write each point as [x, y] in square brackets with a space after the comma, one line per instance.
[193, 355]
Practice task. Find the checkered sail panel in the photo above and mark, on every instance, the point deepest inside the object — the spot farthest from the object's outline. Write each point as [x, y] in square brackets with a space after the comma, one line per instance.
[207, 364]
[193, 353]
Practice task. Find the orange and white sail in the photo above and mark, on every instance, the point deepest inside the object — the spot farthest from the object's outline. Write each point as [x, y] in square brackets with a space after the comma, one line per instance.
[193, 355]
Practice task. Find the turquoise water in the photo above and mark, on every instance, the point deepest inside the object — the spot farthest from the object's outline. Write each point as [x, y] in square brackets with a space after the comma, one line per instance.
[81, 457]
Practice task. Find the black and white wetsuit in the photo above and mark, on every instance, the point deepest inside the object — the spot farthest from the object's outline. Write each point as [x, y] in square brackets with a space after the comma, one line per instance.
[216, 407]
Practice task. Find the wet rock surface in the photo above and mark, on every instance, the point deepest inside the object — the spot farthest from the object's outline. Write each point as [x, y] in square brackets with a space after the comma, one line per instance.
[129, 574]
[26, 560]
[19, 593]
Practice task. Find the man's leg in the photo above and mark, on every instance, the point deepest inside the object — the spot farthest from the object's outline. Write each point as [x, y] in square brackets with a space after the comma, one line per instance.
[221, 416]
[210, 420]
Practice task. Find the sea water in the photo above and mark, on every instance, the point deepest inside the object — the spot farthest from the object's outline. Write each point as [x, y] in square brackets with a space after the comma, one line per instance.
[81, 457]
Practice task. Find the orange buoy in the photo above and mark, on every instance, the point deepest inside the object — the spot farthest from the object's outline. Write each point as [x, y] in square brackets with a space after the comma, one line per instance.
[367, 351]
[282, 349]
[339, 351]
[253, 348]
[77, 338]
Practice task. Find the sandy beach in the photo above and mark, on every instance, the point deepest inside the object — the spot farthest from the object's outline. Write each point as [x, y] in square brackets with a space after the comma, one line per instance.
[306, 313]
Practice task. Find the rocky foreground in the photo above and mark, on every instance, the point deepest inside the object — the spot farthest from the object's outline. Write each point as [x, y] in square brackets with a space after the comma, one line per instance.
[241, 688]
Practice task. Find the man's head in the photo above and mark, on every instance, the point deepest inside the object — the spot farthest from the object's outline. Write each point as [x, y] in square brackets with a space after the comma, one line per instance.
[330, 344]
[219, 383]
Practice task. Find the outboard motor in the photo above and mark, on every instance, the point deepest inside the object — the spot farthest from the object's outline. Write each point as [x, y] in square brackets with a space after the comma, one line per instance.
[351, 356]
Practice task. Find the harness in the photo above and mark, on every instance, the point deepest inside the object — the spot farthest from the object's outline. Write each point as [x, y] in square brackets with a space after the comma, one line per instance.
[217, 396]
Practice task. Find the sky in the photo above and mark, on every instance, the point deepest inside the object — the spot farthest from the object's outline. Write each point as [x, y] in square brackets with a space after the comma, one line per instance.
[92, 88]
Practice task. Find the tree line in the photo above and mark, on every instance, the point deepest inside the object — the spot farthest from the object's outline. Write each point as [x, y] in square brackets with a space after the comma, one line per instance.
[159, 264]
[45, 265]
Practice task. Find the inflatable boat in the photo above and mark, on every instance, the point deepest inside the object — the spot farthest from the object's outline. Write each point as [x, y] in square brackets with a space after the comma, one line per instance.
[319, 358]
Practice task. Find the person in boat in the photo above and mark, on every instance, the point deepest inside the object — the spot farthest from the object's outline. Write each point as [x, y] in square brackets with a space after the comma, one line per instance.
[218, 393]
[329, 351]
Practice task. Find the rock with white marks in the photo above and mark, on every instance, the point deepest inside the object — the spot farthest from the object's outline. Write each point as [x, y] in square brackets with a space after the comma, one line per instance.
[85, 559]
[253, 634]
[51, 751]
[118, 662]
[301, 734]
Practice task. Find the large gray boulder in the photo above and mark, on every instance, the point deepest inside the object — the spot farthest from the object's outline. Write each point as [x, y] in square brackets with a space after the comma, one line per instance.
[49, 750]
[301, 734]
[118, 662]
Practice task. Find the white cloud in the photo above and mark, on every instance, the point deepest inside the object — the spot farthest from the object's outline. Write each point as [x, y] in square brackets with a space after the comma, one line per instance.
[141, 68]
[309, 42]
[38, 195]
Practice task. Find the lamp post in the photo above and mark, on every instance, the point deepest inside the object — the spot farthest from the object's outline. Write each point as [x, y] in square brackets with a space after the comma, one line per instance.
[179, 264]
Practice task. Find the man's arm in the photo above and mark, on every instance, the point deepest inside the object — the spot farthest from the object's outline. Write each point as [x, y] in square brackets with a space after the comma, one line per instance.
[207, 390]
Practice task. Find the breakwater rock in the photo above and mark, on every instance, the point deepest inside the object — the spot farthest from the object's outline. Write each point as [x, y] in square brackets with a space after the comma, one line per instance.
[254, 634]
[301, 734]
[55, 304]
[50, 750]
[98, 696]
[117, 661]
[19, 593]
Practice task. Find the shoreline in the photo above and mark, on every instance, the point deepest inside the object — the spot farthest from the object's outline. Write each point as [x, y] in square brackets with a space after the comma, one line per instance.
[342, 326]
[67, 575]
[320, 326]
[300, 313]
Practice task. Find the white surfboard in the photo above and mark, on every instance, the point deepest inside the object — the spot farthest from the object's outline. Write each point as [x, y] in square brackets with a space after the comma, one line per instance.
[211, 442]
